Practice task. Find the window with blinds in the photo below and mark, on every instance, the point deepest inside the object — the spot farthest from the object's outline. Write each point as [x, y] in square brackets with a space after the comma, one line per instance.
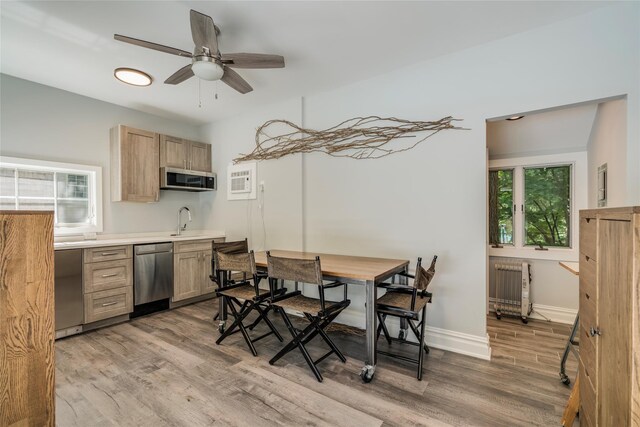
[71, 191]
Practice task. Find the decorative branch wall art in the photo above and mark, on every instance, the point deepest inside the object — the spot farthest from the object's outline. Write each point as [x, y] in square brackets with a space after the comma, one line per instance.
[359, 138]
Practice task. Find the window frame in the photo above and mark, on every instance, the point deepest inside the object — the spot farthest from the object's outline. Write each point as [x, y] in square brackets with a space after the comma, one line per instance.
[578, 162]
[513, 202]
[94, 188]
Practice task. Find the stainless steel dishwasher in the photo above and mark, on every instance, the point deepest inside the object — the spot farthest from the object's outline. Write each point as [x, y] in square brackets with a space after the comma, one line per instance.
[69, 303]
[152, 273]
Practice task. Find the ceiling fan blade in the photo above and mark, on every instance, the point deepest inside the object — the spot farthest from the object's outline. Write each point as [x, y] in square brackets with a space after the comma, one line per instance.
[179, 76]
[204, 32]
[154, 46]
[252, 60]
[234, 80]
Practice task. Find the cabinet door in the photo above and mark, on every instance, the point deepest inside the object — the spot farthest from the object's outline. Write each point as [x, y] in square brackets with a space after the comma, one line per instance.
[187, 275]
[174, 152]
[139, 170]
[200, 157]
[614, 282]
[208, 285]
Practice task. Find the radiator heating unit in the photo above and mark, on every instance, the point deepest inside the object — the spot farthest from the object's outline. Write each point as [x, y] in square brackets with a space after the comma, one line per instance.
[513, 289]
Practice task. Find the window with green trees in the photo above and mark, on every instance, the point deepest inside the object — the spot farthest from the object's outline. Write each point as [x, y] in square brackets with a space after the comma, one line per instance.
[501, 207]
[547, 206]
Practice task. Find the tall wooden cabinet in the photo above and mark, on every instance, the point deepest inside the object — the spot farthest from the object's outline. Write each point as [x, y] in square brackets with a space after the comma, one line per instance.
[181, 153]
[135, 165]
[27, 359]
[610, 317]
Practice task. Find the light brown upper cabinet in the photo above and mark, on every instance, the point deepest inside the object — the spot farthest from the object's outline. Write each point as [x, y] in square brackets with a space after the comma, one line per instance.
[135, 165]
[184, 154]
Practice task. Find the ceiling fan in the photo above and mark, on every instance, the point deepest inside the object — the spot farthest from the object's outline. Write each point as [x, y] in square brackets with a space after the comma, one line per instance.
[207, 61]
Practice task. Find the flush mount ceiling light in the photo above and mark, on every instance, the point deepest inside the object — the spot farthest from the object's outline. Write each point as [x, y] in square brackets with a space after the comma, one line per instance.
[132, 76]
[207, 68]
[513, 118]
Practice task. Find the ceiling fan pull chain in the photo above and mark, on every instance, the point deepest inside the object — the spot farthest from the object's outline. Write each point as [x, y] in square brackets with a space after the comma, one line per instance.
[216, 94]
[199, 95]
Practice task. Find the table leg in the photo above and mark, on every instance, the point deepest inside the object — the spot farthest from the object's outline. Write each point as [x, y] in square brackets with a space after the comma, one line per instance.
[369, 368]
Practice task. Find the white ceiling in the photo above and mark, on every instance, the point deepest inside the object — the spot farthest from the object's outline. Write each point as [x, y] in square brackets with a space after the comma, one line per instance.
[70, 45]
[556, 131]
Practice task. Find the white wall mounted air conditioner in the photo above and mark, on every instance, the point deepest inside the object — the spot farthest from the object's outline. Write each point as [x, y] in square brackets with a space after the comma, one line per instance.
[241, 181]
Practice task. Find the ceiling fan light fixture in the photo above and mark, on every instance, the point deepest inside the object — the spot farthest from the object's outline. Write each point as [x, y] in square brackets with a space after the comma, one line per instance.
[132, 76]
[206, 69]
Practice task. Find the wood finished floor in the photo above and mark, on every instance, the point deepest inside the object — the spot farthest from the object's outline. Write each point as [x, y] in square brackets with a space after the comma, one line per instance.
[166, 370]
[536, 346]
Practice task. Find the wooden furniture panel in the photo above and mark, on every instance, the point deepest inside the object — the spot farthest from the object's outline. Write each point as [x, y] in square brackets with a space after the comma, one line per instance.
[174, 152]
[109, 253]
[99, 276]
[187, 272]
[135, 165]
[614, 273]
[610, 332]
[110, 303]
[192, 246]
[26, 319]
[208, 286]
[588, 236]
[200, 157]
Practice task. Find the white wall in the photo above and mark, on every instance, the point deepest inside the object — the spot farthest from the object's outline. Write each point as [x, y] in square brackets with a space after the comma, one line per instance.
[432, 199]
[45, 123]
[282, 183]
[607, 145]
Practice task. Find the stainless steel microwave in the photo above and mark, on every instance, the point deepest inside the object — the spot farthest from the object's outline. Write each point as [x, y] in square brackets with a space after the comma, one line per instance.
[186, 180]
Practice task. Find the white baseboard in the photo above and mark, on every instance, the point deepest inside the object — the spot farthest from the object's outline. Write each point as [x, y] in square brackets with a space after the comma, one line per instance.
[549, 312]
[444, 339]
[555, 314]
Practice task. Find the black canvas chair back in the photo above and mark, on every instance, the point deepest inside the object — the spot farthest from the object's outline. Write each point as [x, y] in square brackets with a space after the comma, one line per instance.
[319, 312]
[409, 303]
[242, 296]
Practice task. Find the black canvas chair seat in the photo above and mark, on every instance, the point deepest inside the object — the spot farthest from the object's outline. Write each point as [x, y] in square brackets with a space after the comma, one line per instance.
[318, 312]
[409, 303]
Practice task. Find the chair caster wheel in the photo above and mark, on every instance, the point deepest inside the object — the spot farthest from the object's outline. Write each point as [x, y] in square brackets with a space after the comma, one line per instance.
[565, 379]
[498, 316]
[221, 329]
[401, 335]
[367, 374]
[525, 320]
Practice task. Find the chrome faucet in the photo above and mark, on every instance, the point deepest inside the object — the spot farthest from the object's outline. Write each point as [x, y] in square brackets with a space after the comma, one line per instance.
[181, 228]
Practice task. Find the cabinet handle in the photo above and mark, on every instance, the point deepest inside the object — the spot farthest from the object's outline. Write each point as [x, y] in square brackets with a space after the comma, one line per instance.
[109, 253]
[109, 303]
[110, 275]
[594, 331]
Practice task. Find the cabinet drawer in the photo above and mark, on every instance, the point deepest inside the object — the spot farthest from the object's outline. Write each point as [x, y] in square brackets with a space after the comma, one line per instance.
[109, 253]
[99, 276]
[588, 308]
[192, 246]
[588, 355]
[105, 304]
[588, 237]
[588, 408]
[587, 277]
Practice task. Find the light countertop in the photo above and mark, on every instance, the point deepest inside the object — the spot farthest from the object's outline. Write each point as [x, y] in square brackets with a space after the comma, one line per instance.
[136, 238]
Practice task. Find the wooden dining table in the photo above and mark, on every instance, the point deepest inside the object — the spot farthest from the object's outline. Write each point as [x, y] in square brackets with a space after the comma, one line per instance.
[356, 270]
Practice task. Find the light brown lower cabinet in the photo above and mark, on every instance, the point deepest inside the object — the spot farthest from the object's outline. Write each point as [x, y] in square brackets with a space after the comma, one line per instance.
[191, 269]
[27, 359]
[107, 282]
[610, 317]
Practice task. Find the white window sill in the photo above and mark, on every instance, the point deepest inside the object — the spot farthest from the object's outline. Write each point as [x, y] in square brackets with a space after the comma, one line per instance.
[552, 254]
